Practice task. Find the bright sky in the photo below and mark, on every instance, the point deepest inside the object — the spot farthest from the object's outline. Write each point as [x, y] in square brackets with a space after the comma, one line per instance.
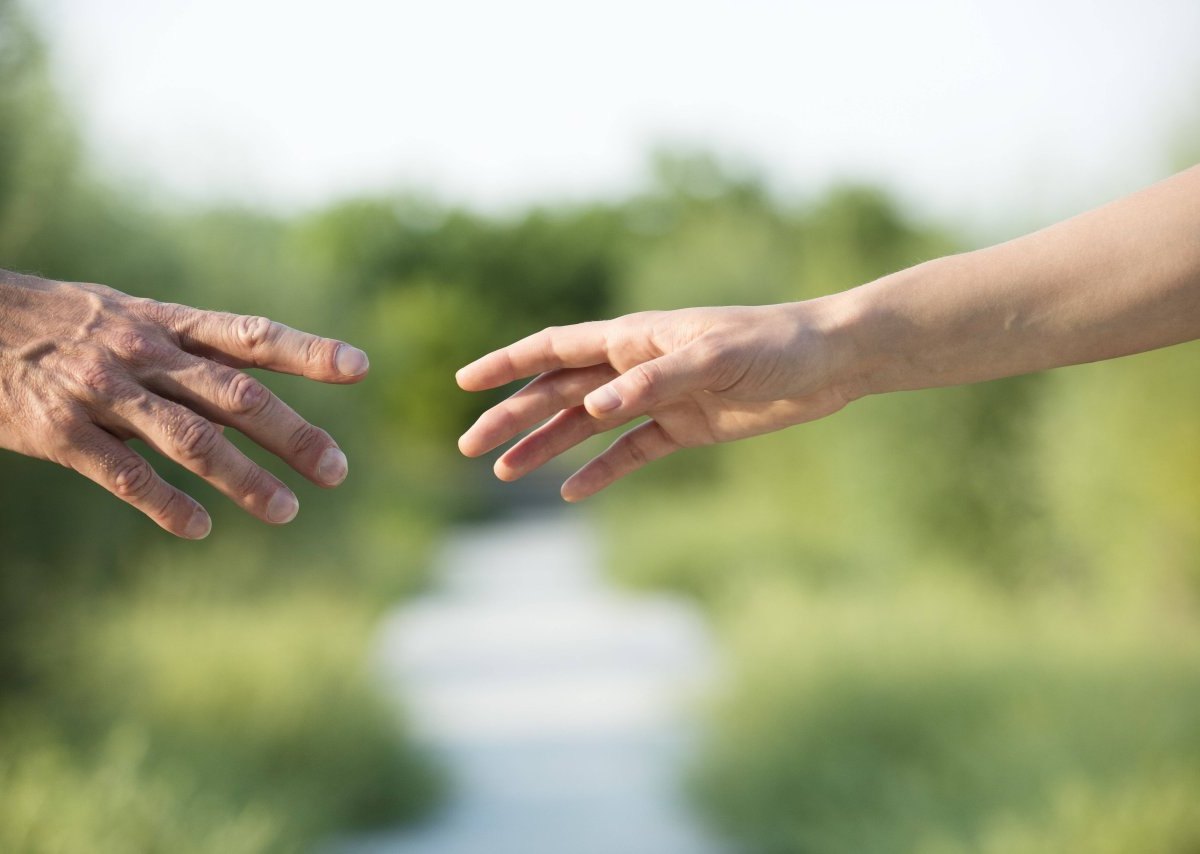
[987, 112]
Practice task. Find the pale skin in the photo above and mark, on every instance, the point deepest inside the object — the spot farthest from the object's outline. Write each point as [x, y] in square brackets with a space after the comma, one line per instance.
[85, 368]
[1120, 279]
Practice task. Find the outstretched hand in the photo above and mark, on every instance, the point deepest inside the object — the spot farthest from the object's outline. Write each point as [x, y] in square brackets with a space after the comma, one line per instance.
[84, 368]
[701, 375]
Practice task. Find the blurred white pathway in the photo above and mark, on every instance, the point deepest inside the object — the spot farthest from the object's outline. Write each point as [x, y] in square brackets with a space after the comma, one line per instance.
[557, 704]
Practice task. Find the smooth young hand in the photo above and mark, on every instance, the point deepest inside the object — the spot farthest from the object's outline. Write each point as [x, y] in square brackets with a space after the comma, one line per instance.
[1114, 281]
[701, 375]
[84, 368]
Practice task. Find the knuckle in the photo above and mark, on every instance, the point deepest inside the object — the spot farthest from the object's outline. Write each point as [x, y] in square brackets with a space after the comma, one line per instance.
[306, 438]
[321, 351]
[162, 313]
[602, 469]
[69, 435]
[134, 345]
[506, 422]
[169, 504]
[708, 352]
[64, 417]
[196, 439]
[99, 378]
[132, 478]
[638, 326]
[636, 453]
[244, 395]
[711, 358]
[71, 428]
[548, 342]
[252, 331]
[253, 481]
[643, 377]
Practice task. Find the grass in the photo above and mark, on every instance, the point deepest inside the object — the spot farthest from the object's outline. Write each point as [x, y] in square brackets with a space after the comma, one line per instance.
[190, 719]
[117, 801]
[940, 718]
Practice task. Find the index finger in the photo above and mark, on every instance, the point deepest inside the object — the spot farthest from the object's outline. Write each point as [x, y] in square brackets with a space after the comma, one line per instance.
[243, 341]
[578, 346]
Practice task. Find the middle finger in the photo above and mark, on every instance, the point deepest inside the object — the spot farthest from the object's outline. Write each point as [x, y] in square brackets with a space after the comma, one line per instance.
[236, 399]
[198, 445]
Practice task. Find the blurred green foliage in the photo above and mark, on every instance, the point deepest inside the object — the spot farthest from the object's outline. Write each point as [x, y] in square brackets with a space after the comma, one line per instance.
[944, 718]
[955, 620]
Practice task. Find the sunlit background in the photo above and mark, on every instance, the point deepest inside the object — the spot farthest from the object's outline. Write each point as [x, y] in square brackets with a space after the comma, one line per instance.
[963, 620]
[985, 110]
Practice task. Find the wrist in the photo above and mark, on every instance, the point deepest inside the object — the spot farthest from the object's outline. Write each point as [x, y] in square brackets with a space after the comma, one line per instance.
[839, 320]
[869, 347]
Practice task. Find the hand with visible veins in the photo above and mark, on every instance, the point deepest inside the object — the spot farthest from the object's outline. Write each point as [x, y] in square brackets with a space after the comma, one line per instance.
[1120, 279]
[85, 368]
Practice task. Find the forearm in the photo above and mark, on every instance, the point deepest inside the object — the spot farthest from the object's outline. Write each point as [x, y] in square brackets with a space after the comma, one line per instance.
[1117, 280]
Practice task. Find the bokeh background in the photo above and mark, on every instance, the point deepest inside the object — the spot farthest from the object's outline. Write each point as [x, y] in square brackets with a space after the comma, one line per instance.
[953, 620]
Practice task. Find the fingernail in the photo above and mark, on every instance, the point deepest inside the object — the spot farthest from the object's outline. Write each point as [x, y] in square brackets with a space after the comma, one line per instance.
[352, 361]
[602, 400]
[568, 491]
[199, 526]
[333, 468]
[282, 507]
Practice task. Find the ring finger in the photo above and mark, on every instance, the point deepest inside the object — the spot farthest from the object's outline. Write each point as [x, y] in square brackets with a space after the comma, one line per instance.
[198, 445]
[543, 397]
[558, 435]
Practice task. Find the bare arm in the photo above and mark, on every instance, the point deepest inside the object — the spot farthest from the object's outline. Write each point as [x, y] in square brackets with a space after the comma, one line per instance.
[84, 368]
[1117, 280]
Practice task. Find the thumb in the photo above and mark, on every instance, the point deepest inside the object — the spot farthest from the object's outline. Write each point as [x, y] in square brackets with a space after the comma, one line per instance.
[650, 384]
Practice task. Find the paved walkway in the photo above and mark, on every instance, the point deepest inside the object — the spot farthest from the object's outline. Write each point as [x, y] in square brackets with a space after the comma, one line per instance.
[556, 702]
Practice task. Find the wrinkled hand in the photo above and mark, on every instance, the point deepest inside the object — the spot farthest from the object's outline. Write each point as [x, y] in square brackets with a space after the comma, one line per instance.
[702, 375]
[84, 368]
